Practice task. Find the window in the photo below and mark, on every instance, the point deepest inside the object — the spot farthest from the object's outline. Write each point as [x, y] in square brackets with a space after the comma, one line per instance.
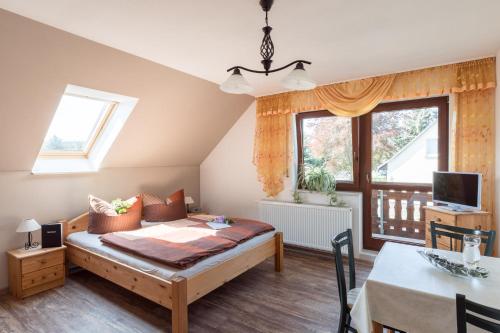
[388, 154]
[85, 124]
[328, 141]
[77, 123]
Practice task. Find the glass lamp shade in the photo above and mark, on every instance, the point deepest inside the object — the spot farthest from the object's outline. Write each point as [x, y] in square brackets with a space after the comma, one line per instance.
[298, 79]
[188, 200]
[28, 225]
[236, 84]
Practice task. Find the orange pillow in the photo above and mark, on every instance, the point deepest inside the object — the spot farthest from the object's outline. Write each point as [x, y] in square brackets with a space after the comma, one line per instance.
[102, 223]
[158, 210]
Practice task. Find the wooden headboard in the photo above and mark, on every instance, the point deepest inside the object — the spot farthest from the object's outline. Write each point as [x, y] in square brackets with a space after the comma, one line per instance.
[77, 224]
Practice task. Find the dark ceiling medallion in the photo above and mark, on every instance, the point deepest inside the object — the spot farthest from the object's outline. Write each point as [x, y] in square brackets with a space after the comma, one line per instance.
[299, 80]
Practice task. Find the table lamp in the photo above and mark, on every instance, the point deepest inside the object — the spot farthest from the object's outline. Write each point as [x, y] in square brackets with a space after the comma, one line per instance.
[28, 226]
[188, 201]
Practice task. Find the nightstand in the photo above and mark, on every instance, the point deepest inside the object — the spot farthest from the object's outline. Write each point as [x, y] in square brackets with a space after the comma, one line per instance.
[34, 271]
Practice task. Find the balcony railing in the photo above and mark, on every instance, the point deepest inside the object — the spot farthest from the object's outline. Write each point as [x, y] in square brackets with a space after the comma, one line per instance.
[399, 214]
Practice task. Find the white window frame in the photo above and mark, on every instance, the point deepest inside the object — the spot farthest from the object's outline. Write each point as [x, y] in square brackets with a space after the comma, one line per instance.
[58, 162]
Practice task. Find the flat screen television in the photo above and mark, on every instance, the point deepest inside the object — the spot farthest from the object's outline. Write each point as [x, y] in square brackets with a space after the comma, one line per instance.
[460, 191]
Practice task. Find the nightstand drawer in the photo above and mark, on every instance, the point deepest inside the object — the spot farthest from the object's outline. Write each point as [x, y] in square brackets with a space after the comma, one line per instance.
[42, 276]
[36, 263]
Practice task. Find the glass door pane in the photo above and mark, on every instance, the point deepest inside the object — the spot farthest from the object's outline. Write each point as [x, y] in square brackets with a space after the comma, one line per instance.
[404, 143]
[405, 146]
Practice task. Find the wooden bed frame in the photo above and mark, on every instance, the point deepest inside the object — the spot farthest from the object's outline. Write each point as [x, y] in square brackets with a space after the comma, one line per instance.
[175, 294]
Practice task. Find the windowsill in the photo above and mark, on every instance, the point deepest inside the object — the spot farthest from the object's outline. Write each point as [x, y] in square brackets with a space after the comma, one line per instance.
[63, 166]
[324, 193]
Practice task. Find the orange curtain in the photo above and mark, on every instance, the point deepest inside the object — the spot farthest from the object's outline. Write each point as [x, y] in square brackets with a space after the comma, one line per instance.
[272, 136]
[271, 151]
[474, 139]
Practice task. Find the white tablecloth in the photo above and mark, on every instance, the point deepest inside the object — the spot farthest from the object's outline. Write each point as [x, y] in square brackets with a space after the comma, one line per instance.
[406, 292]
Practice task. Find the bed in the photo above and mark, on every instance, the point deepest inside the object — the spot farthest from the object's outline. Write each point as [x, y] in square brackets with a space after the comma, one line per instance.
[169, 287]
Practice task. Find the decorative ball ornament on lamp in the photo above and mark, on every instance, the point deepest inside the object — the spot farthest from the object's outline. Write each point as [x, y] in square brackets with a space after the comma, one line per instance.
[296, 80]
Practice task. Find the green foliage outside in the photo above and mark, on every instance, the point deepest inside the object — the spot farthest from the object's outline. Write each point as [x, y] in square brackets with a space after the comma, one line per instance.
[58, 144]
[392, 131]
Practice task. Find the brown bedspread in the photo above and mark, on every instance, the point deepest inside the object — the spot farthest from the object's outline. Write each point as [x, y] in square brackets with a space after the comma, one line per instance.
[183, 243]
[241, 230]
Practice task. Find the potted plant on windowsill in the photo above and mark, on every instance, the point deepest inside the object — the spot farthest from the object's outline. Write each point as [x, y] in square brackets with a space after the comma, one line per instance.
[316, 179]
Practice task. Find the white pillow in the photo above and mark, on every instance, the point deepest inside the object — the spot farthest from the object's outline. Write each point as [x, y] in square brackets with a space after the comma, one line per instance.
[101, 206]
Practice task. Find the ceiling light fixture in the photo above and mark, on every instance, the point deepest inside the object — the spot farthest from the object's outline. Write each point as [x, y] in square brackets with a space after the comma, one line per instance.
[298, 79]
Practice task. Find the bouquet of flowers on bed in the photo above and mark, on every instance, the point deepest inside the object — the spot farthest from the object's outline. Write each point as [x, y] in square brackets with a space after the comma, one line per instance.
[222, 219]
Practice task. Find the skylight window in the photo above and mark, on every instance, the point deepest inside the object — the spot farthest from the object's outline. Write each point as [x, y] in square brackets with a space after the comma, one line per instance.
[83, 129]
[77, 123]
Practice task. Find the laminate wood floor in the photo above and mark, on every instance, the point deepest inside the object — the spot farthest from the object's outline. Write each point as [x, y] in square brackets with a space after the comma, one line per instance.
[303, 298]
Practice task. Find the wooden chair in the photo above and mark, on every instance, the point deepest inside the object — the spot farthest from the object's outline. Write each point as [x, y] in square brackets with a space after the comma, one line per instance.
[456, 234]
[347, 298]
[466, 311]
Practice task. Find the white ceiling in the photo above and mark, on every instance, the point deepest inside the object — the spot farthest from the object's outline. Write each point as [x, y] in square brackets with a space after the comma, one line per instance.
[344, 39]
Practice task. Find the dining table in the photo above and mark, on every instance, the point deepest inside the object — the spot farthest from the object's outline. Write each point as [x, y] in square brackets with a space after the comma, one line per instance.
[406, 292]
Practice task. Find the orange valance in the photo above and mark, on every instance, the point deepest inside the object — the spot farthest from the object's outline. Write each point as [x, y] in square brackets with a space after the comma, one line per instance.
[354, 98]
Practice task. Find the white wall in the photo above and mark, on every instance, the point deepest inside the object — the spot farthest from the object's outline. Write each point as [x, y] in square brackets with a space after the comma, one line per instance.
[228, 179]
[50, 198]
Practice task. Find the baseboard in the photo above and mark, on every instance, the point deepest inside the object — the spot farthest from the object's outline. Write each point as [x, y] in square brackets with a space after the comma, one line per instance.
[365, 255]
[307, 250]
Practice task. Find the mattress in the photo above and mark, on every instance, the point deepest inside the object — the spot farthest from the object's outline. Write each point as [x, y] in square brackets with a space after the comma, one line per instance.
[92, 243]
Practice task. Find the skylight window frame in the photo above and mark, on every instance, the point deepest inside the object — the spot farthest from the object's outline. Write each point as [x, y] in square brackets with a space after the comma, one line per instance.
[96, 132]
[89, 161]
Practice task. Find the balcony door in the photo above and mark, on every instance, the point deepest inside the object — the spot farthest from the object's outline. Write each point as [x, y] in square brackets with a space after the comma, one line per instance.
[401, 144]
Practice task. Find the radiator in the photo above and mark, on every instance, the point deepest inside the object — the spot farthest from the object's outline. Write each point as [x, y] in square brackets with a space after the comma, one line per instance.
[311, 226]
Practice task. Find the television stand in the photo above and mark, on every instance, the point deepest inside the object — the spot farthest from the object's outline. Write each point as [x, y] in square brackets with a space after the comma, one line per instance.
[453, 208]
[444, 215]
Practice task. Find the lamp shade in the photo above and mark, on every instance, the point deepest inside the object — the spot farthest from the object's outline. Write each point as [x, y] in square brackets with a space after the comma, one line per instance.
[188, 200]
[236, 84]
[298, 79]
[28, 225]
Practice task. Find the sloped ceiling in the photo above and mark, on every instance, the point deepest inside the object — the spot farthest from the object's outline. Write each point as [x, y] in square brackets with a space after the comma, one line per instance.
[344, 39]
[178, 120]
